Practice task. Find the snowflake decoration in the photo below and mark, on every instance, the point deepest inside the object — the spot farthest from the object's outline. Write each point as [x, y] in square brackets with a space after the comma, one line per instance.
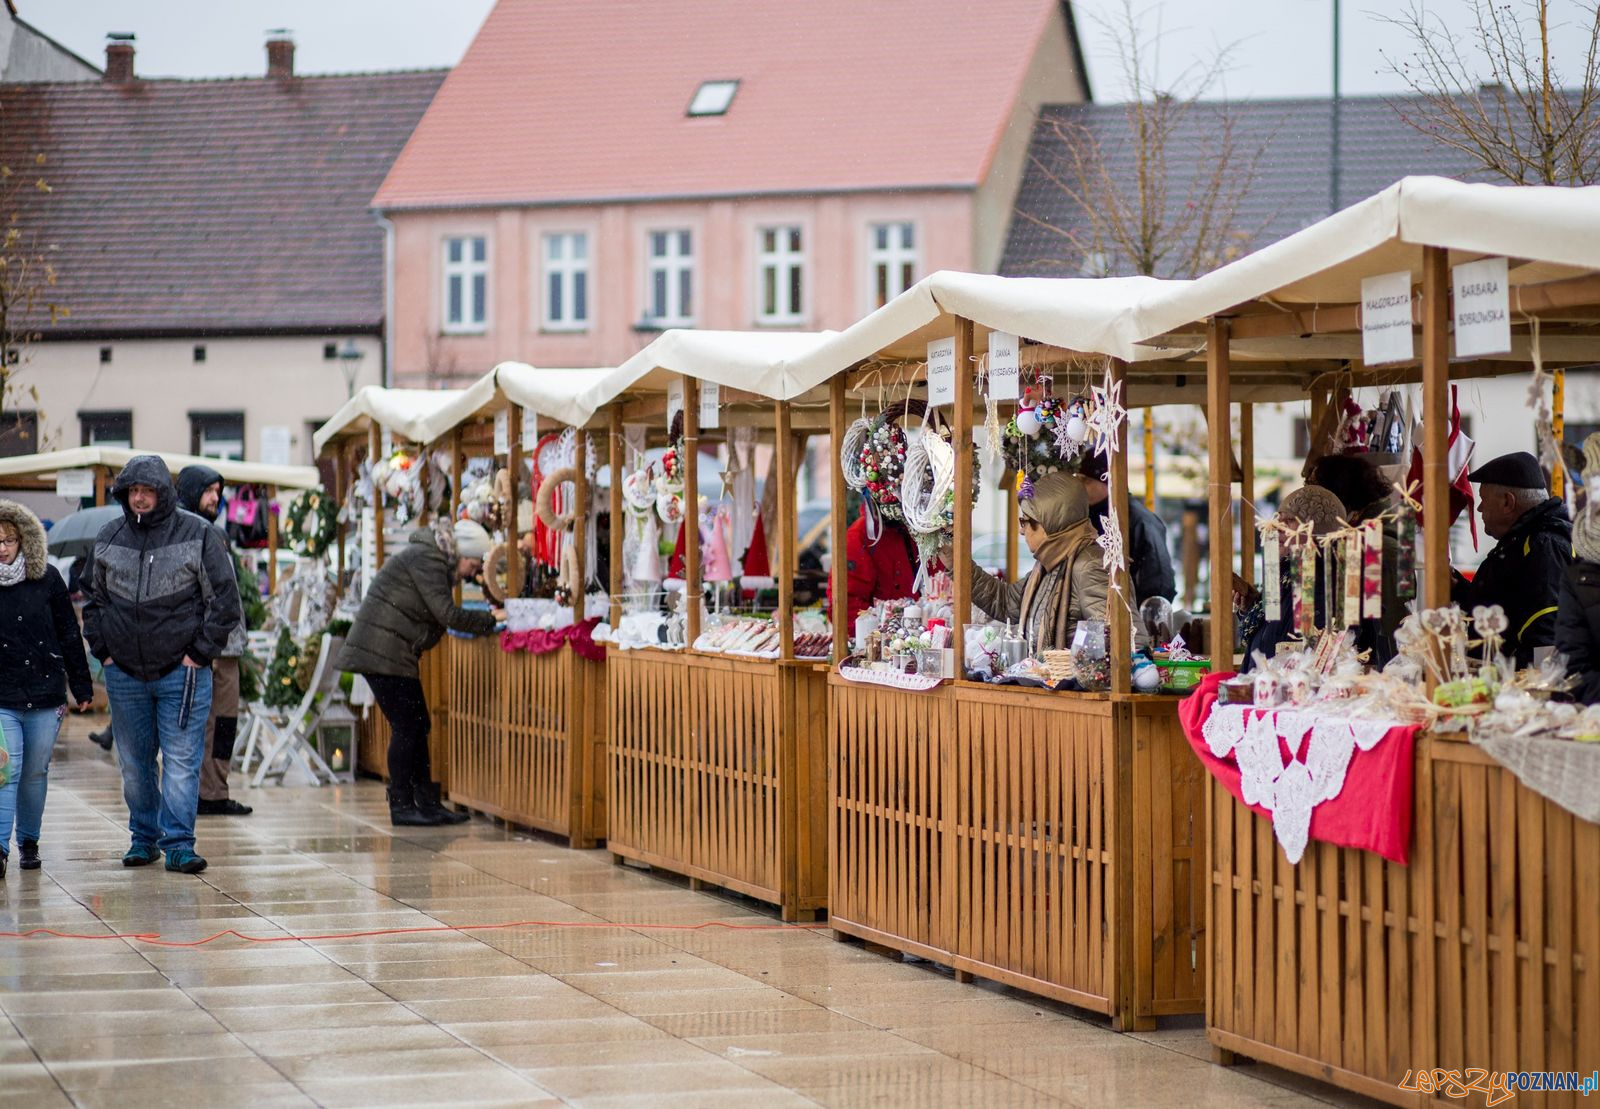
[1106, 419]
[1113, 558]
[1066, 445]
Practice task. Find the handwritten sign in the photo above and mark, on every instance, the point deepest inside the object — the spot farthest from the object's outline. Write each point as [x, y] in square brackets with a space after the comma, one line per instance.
[1004, 369]
[674, 401]
[1482, 308]
[530, 428]
[942, 371]
[74, 483]
[710, 404]
[502, 432]
[1386, 319]
[388, 443]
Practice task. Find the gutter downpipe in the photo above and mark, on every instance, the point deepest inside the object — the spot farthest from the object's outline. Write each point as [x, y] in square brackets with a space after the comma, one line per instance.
[388, 298]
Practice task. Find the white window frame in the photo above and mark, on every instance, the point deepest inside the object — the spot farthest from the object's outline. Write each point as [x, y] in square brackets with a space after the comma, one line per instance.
[786, 266]
[564, 271]
[465, 270]
[672, 267]
[889, 262]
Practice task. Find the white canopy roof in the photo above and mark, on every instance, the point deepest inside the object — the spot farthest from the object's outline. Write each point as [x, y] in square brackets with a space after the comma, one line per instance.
[399, 410]
[45, 466]
[567, 396]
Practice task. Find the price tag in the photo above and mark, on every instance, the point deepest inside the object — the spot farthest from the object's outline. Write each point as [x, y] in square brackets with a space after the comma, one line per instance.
[710, 404]
[1482, 308]
[1386, 319]
[942, 371]
[530, 429]
[1271, 575]
[502, 432]
[674, 401]
[74, 483]
[1004, 369]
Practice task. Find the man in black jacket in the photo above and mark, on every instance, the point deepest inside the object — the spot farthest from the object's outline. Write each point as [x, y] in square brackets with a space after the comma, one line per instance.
[161, 602]
[1523, 573]
[1149, 560]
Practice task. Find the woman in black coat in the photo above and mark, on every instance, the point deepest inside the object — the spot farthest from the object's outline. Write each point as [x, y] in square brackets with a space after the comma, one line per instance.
[42, 651]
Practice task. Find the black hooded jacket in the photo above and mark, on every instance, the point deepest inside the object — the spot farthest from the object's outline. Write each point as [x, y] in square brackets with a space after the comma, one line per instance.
[39, 638]
[191, 482]
[160, 586]
[1523, 576]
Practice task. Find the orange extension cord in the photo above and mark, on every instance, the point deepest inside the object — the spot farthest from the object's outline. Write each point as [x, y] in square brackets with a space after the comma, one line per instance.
[155, 940]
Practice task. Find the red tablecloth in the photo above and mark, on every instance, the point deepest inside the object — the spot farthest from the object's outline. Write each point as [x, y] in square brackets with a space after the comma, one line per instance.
[1373, 810]
[540, 642]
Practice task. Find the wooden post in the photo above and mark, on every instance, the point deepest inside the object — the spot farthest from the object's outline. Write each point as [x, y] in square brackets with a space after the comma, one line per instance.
[838, 571]
[691, 508]
[99, 487]
[1150, 459]
[1013, 535]
[1220, 489]
[1247, 493]
[618, 520]
[513, 525]
[1191, 555]
[580, 523]
[1558, 427]
[455, 491]
[961, 436]
[1435, 427]
[340, 492]
[272, 540]
[788, 523]
[374, 445]
[1120, 601]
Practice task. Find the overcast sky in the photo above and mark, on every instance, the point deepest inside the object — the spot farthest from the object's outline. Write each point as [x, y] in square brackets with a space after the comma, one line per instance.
[1284, 46]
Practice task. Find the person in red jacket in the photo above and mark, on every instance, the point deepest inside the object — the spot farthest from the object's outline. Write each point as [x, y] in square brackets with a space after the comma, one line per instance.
[881, 571]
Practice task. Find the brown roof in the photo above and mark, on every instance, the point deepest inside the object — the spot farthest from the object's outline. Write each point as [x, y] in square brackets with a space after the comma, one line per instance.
[564, 103]
[214, 206]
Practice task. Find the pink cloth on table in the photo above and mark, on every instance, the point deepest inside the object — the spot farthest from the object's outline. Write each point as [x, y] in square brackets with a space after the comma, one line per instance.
[541, 642]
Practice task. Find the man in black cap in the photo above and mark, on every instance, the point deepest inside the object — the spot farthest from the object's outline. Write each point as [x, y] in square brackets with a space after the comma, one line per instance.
[1523, 573]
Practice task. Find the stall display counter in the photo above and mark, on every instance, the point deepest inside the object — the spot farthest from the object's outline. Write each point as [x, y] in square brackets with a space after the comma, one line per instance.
[1045, 840]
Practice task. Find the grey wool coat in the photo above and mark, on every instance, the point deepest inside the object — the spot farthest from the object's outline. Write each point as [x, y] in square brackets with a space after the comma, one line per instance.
[407, 608]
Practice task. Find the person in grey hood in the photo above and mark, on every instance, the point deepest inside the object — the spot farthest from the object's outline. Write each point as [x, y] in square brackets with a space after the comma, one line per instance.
[160, 604]
[200, 492]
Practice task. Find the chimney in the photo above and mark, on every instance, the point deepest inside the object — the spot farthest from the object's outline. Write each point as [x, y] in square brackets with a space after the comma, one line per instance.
[119, 58]
[280, 54]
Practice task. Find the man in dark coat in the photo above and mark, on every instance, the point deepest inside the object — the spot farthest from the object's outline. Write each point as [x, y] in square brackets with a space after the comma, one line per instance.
[161, 602]
[1149, 560]
[405, 612]
[1523, 573]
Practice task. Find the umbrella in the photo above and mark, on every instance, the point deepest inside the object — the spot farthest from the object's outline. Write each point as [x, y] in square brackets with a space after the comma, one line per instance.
[74, 535]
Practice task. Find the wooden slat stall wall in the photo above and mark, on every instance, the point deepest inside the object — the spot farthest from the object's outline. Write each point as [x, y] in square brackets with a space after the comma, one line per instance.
[1483, 953]
[527, 738]
[1044, 841]
[716, 772]
[372, 750]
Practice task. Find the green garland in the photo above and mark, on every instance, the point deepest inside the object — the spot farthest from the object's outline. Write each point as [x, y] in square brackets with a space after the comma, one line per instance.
[312, 523]
[284, 685]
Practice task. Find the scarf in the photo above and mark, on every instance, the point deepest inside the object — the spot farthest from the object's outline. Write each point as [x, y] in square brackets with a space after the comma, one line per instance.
[1051, 580]
[14, 571]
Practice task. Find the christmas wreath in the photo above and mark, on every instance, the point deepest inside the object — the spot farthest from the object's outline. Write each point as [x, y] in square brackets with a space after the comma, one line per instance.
[284, 684]
[883, 457]
[312, 523]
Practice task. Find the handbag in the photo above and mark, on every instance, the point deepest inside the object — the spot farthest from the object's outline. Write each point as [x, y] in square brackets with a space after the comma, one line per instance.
[247, 523]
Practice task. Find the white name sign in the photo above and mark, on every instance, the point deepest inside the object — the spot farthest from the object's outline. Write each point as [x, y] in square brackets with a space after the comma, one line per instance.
[1482, 308]
[1004, 368]
[710, 404]
[502, 432]
[674, 401]
[530, 429]
[1386, 319]
[74, 483]
[942, 371]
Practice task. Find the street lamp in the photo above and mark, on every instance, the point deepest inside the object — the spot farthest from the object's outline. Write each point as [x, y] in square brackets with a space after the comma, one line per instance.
[350, 357]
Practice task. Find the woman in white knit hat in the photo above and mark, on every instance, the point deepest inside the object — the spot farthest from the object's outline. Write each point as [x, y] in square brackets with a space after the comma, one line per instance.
[406, 610]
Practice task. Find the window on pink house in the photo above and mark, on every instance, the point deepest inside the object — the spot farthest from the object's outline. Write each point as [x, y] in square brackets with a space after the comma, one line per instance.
[566, 281]
[780, 269]
[891, 259]
[466, 283]
[669, 295]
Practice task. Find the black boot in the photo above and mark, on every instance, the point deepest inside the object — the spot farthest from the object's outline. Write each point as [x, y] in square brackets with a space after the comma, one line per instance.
[29, 849]
[102, 739]
[427, 795]
[2, 866]
[403, 811]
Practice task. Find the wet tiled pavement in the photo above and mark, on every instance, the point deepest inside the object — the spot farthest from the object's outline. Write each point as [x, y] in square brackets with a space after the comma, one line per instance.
[586, 1005]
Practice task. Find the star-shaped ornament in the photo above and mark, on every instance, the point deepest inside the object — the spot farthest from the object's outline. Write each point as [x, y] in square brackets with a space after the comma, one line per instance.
[1066, 445]
[1106, 419]
[729, 476]
[1113, 558]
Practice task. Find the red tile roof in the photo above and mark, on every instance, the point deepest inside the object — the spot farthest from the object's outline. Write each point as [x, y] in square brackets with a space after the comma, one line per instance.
[214, 206]
[586, 101]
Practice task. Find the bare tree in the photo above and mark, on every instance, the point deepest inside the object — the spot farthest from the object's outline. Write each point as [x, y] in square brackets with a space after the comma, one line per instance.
[27, 277]
[1161, 196]
[1500, 101]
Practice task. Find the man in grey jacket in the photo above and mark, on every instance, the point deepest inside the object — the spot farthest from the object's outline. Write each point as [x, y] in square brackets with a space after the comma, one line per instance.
[160, 603]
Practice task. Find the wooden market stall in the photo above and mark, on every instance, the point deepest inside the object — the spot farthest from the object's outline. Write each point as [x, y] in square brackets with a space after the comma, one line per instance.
[1484, 951]
[716, 764]
[526, 736]
[369, 427]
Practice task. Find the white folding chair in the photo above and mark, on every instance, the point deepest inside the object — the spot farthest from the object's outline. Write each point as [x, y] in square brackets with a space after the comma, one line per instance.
[290, 735]
[260, 646]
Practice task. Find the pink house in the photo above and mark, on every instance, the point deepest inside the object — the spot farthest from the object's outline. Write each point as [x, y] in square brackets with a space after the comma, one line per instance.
[592, 173]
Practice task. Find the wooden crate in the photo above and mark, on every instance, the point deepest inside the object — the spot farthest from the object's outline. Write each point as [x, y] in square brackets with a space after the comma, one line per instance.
[526, 737]
[1042, 840]
[1483, 953]
[717, 772]
[372, 749]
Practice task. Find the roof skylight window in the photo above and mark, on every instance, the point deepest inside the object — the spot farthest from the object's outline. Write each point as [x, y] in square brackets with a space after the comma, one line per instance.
[713, 98]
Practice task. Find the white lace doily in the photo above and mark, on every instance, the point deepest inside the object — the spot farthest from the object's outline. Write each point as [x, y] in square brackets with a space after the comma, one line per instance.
[1290, 792]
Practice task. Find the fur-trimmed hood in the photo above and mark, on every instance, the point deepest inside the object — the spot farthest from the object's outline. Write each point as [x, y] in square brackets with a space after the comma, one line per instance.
[34, 550]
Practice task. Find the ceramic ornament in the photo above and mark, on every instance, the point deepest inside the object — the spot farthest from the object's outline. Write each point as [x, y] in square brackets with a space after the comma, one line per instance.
[647, 562]
[1028, 422]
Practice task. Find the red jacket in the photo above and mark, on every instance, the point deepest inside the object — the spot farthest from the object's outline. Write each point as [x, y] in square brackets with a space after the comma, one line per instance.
[881, 571]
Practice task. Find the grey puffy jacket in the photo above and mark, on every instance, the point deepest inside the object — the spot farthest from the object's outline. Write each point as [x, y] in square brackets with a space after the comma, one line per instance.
[406, 610]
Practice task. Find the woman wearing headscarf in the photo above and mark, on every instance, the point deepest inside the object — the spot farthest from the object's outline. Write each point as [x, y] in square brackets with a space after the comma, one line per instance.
[1312, 505]
[1067, 583]
[43, 650]
[1578, 605]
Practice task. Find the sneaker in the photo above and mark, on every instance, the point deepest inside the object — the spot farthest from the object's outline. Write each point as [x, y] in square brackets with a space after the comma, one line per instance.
[29, 849]
[141, 854]
[185, 861]
[225, 807]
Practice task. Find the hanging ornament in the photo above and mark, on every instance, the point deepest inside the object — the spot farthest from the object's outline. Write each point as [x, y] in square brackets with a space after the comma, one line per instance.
[1028, 422]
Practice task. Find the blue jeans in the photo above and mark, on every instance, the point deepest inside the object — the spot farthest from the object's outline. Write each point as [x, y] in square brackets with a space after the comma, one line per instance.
[161, 810]
[30, 736]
